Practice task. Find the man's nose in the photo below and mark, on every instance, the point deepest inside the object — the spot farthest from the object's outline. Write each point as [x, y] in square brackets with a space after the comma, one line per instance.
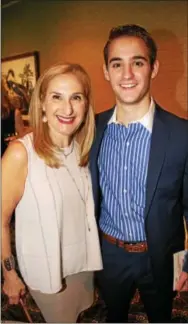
[127, 72]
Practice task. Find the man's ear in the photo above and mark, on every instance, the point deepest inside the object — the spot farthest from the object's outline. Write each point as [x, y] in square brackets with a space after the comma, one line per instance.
[106, 75]
[155, 69]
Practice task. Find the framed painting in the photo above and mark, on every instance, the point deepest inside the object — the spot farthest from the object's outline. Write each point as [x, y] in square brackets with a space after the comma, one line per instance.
[18, 78]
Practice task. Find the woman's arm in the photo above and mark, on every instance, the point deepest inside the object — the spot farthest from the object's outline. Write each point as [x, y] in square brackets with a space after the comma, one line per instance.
[182, 283]
[14, 172]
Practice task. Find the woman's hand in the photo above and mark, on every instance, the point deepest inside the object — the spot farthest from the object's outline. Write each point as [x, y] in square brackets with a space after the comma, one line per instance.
[13, 287]
[182, 283]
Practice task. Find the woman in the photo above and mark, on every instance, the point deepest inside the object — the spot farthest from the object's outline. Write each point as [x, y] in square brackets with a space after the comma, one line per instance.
[56, 234]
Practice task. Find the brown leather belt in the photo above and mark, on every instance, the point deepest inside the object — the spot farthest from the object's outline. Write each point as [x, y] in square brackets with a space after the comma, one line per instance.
[129, 247]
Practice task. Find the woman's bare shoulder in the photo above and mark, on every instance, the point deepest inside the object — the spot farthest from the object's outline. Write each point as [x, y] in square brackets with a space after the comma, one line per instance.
[16, 152]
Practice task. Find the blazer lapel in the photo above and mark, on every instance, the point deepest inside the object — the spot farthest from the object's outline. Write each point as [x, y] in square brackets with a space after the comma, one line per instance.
[159, 142]
[101, 123]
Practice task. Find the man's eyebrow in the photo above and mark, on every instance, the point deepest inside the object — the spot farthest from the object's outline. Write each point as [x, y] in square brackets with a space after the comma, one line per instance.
[115, 59]
[136, 57]
[140, 57]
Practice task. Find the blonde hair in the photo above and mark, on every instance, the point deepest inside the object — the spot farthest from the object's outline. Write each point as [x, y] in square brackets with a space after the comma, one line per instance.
[41, 139]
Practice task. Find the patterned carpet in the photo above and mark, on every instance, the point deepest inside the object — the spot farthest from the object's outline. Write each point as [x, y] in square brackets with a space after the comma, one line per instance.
[95, 314]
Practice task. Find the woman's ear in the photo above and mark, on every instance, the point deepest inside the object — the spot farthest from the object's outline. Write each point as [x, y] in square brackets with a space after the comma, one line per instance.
[44, 118]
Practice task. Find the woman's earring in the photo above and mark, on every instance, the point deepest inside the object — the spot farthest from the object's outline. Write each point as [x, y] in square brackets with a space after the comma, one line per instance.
[44, 118]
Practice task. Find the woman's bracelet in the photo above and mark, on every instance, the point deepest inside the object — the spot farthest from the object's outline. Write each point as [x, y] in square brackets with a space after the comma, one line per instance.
[9, 263]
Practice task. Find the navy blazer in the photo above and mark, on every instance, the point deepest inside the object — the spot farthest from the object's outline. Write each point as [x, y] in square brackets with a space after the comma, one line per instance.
[185, 263]
[166, 188]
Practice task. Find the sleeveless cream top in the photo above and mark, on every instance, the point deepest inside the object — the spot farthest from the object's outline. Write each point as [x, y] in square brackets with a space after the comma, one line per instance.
[56, 232]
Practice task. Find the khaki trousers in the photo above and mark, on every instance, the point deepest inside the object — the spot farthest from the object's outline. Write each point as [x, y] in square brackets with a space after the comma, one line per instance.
[65, 306]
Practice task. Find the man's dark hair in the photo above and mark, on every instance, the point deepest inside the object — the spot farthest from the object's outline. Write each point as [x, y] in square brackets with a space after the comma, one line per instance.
[135, 31]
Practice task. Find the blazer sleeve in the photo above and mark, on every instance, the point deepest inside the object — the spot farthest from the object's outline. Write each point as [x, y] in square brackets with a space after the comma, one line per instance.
[185, 177]
[185, 192]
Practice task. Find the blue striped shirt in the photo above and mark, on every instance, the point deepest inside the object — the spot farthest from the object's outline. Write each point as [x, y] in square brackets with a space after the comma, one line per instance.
[123, 163]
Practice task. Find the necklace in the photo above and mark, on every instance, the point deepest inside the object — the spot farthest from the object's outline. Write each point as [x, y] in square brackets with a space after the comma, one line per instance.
[67, 150]
[84, 198]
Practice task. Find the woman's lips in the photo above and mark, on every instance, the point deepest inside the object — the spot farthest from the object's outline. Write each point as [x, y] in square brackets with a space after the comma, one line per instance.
[65, 120]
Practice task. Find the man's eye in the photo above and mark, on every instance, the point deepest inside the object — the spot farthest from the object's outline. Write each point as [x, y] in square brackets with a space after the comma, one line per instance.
[138, 63]
[116, 65]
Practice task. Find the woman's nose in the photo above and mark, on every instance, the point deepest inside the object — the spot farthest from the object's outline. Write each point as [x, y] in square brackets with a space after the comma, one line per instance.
[67, 108]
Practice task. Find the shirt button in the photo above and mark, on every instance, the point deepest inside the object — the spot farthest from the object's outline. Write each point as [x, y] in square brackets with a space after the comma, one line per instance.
[125, 168]
[125, 190]
[127, 143]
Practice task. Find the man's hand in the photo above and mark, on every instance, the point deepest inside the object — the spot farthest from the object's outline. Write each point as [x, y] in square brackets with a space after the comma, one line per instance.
[182, 283]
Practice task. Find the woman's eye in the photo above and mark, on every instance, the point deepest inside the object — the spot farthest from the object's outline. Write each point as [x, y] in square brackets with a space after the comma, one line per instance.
[77, 98]
[56, 97]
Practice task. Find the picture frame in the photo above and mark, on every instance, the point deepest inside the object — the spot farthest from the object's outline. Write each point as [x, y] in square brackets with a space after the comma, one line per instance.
[19, 74]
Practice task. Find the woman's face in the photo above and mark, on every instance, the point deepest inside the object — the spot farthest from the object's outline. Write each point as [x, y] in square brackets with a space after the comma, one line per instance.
[65, 107]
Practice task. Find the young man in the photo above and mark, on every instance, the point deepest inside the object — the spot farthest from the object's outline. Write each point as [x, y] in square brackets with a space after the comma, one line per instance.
[139, 166]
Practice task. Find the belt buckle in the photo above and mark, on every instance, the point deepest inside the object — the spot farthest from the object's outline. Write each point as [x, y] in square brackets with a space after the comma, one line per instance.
[134, 247]
[128, 247]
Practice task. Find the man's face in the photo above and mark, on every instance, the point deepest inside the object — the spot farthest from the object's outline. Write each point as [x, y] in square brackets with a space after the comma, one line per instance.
[129, 70]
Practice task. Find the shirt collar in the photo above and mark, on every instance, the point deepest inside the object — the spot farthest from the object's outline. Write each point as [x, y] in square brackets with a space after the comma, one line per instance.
[146, 120]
